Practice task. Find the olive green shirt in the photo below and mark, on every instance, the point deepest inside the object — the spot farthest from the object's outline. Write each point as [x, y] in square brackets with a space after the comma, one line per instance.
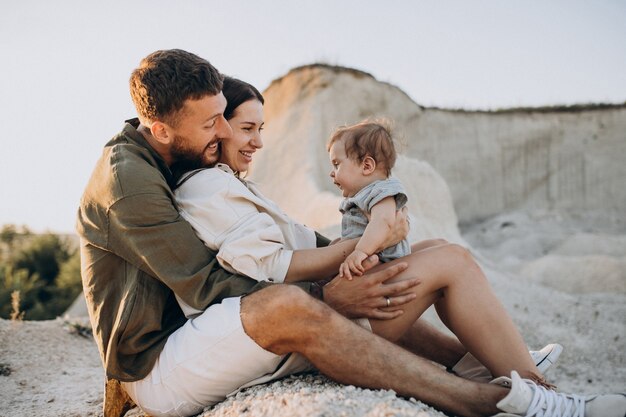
[137, 251]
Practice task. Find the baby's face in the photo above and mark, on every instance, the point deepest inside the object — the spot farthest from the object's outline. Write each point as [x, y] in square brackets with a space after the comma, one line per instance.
[347, 173]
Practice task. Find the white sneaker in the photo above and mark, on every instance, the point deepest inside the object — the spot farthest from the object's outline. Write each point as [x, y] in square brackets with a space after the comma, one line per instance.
[547, 356]
[527, 399]
[469, 367]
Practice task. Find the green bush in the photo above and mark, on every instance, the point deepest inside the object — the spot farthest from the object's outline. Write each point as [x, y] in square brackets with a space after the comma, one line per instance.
[45, 269]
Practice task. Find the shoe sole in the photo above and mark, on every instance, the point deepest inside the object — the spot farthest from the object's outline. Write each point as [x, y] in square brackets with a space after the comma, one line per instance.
[547, 361]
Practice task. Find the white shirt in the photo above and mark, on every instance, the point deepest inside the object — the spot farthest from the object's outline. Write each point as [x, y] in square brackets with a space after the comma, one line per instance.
[251, 234]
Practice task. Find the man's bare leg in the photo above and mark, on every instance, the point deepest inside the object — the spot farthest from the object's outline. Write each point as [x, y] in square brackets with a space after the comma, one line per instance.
[425, 340]
[284, 319]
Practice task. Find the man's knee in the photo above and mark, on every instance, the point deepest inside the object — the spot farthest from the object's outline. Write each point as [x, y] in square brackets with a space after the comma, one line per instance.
[280, 317]
[280, 301]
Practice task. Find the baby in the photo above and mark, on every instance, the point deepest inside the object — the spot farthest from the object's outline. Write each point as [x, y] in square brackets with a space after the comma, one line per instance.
[362, 157]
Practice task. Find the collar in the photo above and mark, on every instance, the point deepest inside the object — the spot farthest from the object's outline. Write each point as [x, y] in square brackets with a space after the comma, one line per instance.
[225, 168]
[135, 137]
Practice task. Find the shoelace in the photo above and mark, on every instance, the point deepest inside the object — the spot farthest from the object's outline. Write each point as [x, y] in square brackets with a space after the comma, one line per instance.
[547, 403]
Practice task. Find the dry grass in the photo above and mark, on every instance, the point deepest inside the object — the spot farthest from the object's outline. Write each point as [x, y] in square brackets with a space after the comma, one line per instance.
[16, 314]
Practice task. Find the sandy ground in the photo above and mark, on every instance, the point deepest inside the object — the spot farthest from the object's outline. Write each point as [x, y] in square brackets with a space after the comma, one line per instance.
[49, 369]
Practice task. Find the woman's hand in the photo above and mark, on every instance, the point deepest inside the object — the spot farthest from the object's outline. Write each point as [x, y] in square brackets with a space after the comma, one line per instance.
[399, 230]
[368, 295]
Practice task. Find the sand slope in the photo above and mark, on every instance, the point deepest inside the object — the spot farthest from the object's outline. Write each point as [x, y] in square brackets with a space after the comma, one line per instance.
[53, 372]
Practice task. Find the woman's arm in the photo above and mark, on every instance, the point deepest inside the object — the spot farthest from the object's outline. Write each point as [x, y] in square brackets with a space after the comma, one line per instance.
[226, 216]
[319, 263]
[387, 227]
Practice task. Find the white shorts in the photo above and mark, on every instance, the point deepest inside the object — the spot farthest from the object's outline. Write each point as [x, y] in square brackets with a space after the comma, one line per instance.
[207, 359]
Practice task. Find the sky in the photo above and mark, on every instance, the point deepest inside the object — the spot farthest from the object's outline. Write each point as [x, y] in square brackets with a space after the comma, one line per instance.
[66, 64]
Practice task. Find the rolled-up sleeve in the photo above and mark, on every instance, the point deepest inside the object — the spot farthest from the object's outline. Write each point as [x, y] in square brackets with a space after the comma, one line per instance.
[223, 213]
[255, 247]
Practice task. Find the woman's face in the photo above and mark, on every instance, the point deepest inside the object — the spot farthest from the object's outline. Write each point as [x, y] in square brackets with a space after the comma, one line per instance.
[247, 123]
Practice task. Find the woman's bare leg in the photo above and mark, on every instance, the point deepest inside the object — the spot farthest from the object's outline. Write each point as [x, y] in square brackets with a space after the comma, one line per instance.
[451, 279]
[428, 243]
[441, 347]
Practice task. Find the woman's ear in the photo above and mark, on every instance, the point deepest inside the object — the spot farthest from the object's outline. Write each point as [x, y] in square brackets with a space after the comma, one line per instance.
[368, 165]
[160, 131]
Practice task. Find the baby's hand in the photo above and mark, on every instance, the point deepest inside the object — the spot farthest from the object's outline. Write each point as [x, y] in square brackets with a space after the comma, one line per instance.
[353, 264]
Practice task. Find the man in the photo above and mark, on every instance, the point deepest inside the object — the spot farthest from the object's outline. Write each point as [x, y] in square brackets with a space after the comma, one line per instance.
[138, 254]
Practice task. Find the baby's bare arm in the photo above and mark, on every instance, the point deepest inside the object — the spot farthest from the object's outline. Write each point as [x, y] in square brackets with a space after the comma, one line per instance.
[377, 234]
[379, 228]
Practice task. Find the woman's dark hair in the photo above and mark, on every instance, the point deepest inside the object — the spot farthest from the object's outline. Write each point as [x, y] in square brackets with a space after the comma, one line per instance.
[238, 92]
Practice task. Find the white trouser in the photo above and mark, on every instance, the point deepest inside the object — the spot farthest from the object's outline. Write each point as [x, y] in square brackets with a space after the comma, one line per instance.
[207, 359]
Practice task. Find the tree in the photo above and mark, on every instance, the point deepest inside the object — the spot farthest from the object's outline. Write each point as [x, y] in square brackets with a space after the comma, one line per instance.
[68, 281]
[8, 234]
[46, 272]
[43, 256]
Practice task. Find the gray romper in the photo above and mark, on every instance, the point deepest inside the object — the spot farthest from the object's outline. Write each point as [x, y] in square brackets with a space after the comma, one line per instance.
[354, 220]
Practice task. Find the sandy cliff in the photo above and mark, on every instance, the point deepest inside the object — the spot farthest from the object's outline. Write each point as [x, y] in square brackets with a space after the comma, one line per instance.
[569, 158]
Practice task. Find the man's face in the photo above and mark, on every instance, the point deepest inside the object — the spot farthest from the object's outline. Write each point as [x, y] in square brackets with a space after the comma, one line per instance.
[201, 126]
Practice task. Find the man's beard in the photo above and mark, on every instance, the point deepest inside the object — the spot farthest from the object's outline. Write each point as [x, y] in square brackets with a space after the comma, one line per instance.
[187, 159]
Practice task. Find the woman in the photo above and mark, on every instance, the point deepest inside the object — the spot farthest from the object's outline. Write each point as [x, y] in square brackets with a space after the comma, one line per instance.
[255, 238]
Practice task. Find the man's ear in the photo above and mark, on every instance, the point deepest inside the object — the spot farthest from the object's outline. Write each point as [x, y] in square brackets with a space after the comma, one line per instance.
[368, 165]
[161, 132]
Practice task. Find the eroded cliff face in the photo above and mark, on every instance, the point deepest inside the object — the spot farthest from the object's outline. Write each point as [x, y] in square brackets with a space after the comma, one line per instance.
[503, 161]
[492, 162]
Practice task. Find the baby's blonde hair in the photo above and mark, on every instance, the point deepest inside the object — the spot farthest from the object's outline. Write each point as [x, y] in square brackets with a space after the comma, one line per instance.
[368, 138]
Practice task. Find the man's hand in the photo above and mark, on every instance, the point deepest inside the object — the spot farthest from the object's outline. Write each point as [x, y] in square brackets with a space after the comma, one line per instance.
[353, 264]
[366, 296]
[399, 230]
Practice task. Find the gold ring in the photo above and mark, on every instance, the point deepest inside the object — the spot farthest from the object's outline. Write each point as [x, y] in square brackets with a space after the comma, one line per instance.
[388, 301]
